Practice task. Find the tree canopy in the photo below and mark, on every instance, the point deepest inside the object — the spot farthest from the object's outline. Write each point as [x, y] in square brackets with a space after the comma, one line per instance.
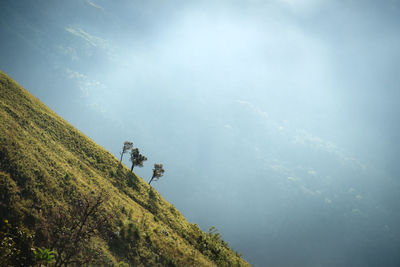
[125, 148]
[136, 158]
[158, 172]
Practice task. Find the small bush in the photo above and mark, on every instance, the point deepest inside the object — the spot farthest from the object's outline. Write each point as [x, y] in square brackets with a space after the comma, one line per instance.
[132, 181]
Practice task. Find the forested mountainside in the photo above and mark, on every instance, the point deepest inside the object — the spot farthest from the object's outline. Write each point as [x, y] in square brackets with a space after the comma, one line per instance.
[64, 200]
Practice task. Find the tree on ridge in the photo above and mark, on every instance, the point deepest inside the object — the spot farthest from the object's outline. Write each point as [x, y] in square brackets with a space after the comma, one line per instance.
[136, 158]
[125, 148]
[158, 171]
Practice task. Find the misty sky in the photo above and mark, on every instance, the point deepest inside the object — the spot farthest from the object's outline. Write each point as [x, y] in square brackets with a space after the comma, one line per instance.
[277, 121]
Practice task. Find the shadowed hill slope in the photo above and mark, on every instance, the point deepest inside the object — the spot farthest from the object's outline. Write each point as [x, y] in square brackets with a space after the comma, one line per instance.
[57, 186]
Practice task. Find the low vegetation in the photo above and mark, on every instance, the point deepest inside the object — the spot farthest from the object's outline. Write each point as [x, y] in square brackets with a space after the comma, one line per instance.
[65, 201]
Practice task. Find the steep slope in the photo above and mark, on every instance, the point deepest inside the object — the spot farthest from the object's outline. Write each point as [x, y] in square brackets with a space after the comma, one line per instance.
[57, 186]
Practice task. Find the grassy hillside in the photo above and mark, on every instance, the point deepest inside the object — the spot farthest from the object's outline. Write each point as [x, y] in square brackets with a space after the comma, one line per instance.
[61, 191]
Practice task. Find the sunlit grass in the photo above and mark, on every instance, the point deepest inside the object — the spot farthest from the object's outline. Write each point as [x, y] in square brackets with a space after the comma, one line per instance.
[45, 160]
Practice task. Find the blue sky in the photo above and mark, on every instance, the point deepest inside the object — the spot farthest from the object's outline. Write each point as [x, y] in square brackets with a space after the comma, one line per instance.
[276, 121]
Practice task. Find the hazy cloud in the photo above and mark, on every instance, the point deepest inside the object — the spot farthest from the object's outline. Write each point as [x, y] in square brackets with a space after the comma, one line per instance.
[91, 2]
[88, 38]
[69, 51]
[282, 101]
[302, 137]
[253, 108]
[86, 85]
[307, 191]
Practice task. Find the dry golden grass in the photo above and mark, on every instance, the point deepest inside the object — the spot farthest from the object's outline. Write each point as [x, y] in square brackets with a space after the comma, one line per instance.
[46, 157]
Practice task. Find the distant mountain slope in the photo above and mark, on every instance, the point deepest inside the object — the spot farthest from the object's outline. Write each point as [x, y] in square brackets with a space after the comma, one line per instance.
[58, 186]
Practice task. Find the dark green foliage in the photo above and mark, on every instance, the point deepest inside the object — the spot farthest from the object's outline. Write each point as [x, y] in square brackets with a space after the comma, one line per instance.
[15, 245]
[136, 158]
[133, 243]
[214, 247]
[158, 172]
[132, 181]
[131, 236]
[44, 256]
[152, 203]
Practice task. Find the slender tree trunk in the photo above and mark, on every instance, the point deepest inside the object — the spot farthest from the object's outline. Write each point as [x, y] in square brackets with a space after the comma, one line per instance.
[132, 167]
[151, 179]
[122, 154]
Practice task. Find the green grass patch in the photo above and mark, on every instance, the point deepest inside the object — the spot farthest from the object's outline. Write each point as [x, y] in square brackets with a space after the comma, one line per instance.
[49, 171]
